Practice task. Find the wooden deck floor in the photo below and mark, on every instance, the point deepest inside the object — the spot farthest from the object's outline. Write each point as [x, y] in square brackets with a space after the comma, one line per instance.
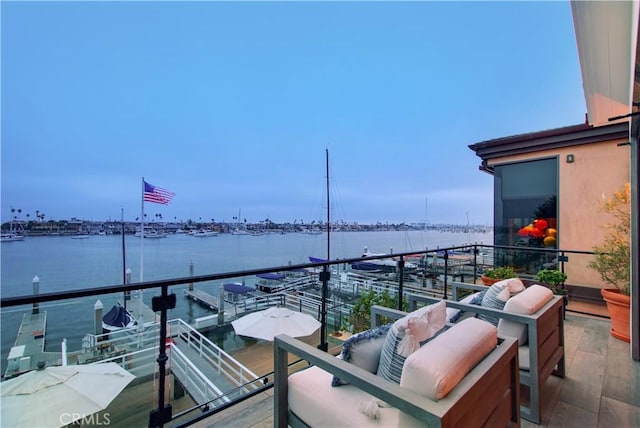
[601, 389]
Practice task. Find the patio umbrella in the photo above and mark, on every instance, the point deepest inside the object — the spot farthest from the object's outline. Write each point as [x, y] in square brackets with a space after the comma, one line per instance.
[58, 396]
[273, 321]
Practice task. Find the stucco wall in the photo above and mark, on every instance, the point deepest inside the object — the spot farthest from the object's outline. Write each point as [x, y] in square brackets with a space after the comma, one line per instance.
[598, 170]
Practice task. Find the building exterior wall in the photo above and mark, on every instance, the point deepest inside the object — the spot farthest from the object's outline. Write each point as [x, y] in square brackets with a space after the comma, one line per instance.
[598, 170]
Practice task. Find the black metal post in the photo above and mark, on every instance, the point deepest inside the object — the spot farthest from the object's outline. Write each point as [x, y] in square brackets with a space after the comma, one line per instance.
[446, 269]
[324, 277]
[162, 303]
[475, 262]
[127, 294]
[562, 258]
[400, 271]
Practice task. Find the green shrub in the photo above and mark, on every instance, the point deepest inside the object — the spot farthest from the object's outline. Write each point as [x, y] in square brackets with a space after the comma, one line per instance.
[361, 313]
[500, 272]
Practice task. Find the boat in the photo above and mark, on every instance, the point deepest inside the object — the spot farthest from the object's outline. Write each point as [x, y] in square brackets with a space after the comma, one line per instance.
[11, 237]
[236, 292]
[117, 318]
[151, 233]
[238, 231]
[203, 233]
[270, 282]
[312, 231]
[365, 266]
[80, 236]
[387, 265]
[14, 233]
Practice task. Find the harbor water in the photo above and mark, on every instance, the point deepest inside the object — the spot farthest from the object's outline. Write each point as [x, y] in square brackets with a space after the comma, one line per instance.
[62, 264]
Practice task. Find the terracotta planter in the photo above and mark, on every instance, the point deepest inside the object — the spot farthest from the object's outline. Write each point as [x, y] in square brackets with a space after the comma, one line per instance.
[489, 281]
[618, 306]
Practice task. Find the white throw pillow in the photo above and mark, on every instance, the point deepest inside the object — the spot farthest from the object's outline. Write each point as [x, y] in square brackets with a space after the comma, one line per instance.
[391, 360]
[515, 285]
[420, 329]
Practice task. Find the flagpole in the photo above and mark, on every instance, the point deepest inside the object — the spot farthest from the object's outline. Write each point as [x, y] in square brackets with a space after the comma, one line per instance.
[140, 301]
[142, 234]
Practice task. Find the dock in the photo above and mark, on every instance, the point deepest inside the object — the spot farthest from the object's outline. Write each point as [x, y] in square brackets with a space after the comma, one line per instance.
[28, 349]
[203, 298]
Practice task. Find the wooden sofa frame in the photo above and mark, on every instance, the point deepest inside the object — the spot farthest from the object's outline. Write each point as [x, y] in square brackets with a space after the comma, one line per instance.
[489, 394]
[545, 330]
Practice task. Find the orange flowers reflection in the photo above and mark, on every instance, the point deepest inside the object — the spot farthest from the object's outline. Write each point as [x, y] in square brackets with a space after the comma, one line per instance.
[539, 229]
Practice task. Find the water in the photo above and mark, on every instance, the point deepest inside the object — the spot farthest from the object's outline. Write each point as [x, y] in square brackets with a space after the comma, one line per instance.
[63, 264]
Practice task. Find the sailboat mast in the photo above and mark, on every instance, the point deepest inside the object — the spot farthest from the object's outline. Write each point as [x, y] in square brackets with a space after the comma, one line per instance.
[426, 206]
[328, 209]
[124, 257]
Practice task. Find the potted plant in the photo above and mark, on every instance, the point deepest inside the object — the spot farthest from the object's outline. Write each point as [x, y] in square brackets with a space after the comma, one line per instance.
[498, 273]
[554, 279]
[613, 262]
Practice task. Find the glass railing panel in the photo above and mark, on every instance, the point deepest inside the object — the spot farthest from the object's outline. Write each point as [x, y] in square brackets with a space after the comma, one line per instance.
[75, 332]
[208, 364]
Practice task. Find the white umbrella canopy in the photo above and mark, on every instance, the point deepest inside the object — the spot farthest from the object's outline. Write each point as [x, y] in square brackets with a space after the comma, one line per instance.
[274, 321]
[58, 396]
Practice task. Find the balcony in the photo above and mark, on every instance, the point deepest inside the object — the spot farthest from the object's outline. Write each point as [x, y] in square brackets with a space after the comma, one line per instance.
[599, 390]
[211, 377]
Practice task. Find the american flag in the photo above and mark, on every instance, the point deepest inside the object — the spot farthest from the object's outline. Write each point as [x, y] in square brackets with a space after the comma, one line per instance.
[156, 194]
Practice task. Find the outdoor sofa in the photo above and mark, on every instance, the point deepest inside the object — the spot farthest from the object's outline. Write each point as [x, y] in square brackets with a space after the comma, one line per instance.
[488, 395]
[541, 334]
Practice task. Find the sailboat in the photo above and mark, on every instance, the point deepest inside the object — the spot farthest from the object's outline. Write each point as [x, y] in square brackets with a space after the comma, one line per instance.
[13, 234]
[10, 237]
[238, 229]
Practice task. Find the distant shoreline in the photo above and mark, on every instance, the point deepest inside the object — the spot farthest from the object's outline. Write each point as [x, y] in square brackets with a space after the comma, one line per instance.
[74, 227]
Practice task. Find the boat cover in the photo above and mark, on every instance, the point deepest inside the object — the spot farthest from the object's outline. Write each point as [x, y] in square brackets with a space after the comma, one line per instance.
[364, 266]
[270, 275]
[237, 288]
[117, 317]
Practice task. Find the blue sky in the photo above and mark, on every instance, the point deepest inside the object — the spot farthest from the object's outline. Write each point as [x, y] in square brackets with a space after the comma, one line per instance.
[231, 105]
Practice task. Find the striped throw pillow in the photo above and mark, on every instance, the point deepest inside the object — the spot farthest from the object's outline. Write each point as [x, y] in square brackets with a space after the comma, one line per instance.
[495, 298]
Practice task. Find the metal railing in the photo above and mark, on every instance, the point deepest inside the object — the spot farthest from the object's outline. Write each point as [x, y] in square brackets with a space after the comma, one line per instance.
[433, 275]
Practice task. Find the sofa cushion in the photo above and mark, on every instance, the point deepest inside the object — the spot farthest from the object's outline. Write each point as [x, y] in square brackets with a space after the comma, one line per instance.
[437, 367]
[363, 350]
[524, 357]
[313, 400]
[391, 360]
[528, 303]
[495, 298]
